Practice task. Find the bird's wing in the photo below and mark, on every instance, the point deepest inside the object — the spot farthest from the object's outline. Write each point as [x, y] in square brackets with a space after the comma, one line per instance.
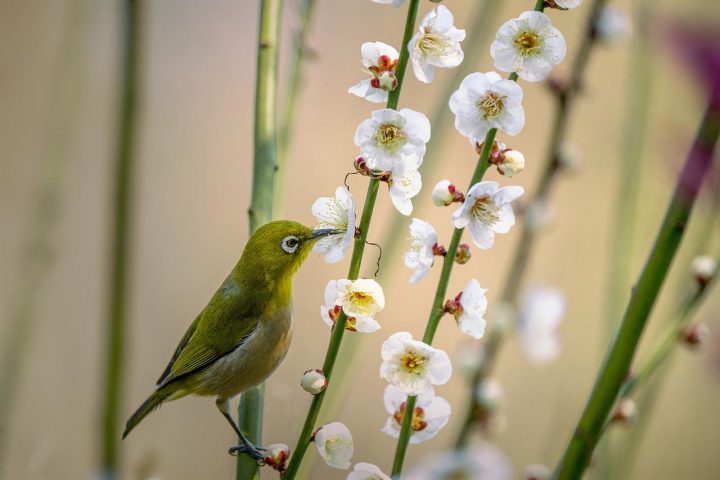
[183, 343]
[219, 329]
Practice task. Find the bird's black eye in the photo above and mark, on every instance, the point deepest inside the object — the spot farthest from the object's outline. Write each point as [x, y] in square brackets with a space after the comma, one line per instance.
[290, 244]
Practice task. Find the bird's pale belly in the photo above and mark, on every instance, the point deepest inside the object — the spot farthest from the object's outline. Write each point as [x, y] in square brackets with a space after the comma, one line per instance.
[251, 363]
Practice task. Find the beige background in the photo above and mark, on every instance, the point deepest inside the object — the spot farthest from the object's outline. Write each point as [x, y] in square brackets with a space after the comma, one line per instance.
[192, 192]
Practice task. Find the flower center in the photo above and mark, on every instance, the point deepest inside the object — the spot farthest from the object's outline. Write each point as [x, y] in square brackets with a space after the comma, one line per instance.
[431, 44]
[485, 210]
[412, 362]
[491, 105]
[528, 43]
[390, 137]
[418, 422]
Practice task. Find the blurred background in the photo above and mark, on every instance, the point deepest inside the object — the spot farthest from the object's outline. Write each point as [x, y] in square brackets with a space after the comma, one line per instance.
[59, 87]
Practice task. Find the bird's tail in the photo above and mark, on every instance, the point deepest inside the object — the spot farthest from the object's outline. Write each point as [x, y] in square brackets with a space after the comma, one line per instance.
[148, 406]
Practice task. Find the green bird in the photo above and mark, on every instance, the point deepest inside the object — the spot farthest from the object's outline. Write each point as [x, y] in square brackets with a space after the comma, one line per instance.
[243, 334]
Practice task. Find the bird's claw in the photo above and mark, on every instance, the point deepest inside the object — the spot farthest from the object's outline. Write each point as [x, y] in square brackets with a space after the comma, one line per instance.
[257, 453]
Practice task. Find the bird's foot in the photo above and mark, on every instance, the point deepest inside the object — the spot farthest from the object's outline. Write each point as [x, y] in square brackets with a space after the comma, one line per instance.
[257, 453]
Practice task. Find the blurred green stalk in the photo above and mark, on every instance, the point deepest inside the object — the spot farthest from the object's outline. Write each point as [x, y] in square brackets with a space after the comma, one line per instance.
[622, 349]
[250, 408]
[119, 283]
[355, 262]
[565, 97]
[293, 90]
[38, 254]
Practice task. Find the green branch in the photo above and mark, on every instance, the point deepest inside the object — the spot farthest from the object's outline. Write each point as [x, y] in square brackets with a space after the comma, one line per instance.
[620, 354]
[358, 249]
[121, 234]
[250, 409]
[528, 233]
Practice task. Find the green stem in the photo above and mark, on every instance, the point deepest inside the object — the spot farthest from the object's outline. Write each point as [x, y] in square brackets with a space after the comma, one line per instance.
[436, 311]
[528, 233]
[121, 234]
[358, 249]
[250, 409]
[295, 84]
[620, 354]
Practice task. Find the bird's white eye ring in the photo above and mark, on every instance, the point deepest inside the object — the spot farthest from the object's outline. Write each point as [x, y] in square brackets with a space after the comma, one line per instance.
[290, 244]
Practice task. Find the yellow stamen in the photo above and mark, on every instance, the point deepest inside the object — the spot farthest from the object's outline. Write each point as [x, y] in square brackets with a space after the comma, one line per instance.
[485, 210]
[413, 362]
[491, 105]
[528, 43]
[390, 136]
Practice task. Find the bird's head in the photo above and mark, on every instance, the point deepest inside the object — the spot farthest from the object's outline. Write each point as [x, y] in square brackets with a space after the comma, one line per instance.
[277, 249]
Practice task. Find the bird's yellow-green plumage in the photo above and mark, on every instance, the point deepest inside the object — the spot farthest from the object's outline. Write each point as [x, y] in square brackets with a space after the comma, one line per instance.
[244, 332]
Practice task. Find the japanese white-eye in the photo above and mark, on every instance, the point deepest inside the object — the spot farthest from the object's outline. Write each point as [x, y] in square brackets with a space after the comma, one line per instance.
[244, 332]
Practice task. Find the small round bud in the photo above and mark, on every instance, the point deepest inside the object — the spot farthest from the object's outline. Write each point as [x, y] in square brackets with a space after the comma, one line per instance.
[612, 26]
[489, 394]
[569, 158]
[695, 334]
[625, 412]
[511, 163]
[276, 456]
[313, 381]
[387, 81]
[441, 195]
[438, 250]
[537, 471]
[361, 166]
[463, 254]
[703, 268]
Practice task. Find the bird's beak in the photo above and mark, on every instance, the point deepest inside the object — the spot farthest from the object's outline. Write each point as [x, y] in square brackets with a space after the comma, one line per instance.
[323, 232]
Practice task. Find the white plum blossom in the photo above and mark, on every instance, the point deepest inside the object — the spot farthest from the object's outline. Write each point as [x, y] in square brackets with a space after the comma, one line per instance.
[430, 415]
[473, 305]
[413, 366]
[542, 311]
[331, 310]
[404, 184]
[528, 45]
[367, 471]
[568, 4]
[380, 60]
[485, 101]
[612, 25]
[483, 461]
[487, 211]
[395, 3]
[335, 445]
[421, 255]
[442, 195]
[436, 44]
[388, 136]
[359, 298]
[335, 213]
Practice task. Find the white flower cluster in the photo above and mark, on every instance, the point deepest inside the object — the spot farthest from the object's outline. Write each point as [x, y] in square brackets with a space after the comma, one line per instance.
[392, 146]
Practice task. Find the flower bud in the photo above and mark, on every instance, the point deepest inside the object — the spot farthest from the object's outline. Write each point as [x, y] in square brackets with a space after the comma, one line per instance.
[276, 456]
[537, 471]
[625, 412]
[445, 193]
[612, 26]
[313, 381]
[703, 268]
[512, 162]
[361, 166]
[387, 81]
[695, 334]
[463, 254]
[438, 250]
[489, 394]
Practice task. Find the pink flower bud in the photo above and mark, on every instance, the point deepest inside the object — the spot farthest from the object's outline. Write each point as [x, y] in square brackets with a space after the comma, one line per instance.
[463, 254]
